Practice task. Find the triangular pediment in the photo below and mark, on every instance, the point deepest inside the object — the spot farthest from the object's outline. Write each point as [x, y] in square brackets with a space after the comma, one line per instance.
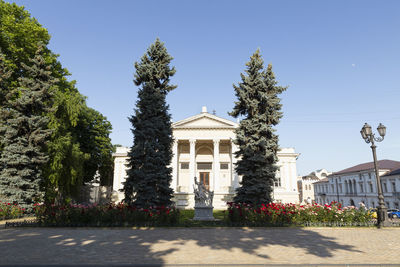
[204, 120]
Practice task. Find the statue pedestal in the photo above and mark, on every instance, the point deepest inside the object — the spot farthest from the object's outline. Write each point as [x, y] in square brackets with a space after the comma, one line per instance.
[203, 213]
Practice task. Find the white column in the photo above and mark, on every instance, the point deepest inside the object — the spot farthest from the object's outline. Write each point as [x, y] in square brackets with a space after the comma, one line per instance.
[174, 163]
[117, 183]
[216, 166]
[192, 165]
[234, 176]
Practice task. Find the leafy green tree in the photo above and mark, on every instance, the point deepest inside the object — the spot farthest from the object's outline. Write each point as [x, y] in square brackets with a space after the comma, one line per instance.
[259, 105]
[20, 35]
[94, 131]
[149, 177]
[24, 134]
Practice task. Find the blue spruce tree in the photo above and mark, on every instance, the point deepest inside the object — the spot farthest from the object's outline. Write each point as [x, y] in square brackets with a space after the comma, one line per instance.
[24, 133]
[259, 105]
[149, 174]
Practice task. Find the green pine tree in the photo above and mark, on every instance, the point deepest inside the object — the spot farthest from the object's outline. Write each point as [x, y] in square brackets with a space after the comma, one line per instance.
[259, 105]
[149, 177]
[24, 134]
[5, 74]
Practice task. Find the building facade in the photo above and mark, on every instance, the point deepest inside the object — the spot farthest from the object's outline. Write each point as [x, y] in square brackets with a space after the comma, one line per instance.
[306, 185]
[357, 184]
[203, 148]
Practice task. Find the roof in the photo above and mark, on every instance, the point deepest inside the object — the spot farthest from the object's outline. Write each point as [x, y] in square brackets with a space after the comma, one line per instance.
[394, 172]
[325, 180]
[384, 164]
[204, 120]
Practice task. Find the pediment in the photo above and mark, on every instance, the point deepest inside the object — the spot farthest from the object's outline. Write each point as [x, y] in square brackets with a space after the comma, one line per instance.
[204, 120]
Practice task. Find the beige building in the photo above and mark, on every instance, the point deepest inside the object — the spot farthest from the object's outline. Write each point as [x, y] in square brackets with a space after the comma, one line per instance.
[203, 148]
[306, 185]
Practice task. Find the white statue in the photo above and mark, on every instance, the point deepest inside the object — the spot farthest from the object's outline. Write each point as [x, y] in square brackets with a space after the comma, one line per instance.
[202, 196]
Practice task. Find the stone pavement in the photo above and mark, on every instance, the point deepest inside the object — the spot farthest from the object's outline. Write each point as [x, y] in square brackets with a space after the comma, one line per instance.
[165, 246]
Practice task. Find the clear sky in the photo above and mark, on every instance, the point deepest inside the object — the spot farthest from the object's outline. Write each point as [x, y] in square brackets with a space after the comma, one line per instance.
[340, 60]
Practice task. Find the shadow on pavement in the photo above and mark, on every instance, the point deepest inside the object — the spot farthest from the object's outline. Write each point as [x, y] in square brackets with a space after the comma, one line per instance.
[151, 246]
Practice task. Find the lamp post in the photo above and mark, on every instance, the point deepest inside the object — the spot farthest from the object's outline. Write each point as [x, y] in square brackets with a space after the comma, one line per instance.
[369, 137]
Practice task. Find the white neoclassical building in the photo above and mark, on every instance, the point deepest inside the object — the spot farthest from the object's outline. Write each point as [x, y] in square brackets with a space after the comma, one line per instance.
[203, 148]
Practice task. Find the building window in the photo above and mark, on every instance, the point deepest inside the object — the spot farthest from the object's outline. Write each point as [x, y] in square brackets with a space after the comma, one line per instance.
[396, 205]
[277, 182]
[184, 166]
[361, 188]
[333, 188]
[204, 166]
[224, 149]
[371, 188]
[340, 188]
[184, 148]
[393, 186]
[224, 166]
[384, 187]
[388, 205]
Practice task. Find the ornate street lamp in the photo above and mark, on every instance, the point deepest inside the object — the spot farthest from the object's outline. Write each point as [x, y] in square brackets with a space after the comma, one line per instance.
[369, 137]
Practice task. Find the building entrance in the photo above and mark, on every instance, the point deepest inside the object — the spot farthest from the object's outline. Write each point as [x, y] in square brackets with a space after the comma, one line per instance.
[205, 179]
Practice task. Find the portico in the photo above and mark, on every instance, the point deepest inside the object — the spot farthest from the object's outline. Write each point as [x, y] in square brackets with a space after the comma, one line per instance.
[203, 147]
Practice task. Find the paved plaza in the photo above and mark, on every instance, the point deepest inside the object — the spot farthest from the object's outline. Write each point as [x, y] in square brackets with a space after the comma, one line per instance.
[199, 246]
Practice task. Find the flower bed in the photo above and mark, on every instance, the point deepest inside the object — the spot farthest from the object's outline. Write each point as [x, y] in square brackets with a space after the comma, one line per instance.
[10, 211]
[292, 214]
[104, 215]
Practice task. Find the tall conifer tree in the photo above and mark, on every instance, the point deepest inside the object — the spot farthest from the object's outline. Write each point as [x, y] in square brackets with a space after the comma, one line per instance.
[5, 74]
[24, 134]
[149, 177]
[259, 105]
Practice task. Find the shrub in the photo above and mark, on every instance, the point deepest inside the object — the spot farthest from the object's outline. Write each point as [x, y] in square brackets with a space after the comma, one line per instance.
[10, 211]
[104, 215]
[286, 214]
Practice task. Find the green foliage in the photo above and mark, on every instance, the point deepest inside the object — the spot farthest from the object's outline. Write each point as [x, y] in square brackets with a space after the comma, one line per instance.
[105, 215]
[65, 171]
[149, 177]
[5, 74]
[259, 105]
[94, 131]
[277, 214]
[24, 134]
[19, 38]
[10, 211]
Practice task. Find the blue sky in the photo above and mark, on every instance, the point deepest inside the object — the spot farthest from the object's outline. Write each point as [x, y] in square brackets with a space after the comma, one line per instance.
[340, 60]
